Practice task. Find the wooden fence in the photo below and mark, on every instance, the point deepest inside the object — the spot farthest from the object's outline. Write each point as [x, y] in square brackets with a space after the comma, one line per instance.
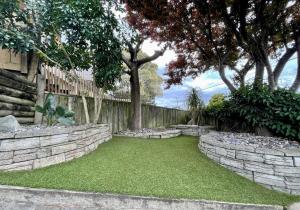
[117, 113]
[75, 84]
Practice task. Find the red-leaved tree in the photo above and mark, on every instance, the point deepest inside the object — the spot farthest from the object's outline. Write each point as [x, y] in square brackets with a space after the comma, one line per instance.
[219, 34]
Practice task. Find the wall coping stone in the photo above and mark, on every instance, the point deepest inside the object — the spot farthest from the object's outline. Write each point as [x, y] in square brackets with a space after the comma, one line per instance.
[21, 197]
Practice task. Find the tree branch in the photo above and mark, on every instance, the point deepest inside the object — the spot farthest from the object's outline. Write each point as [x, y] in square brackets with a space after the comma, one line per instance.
[282, 61]
[225, 80]
[151, 58]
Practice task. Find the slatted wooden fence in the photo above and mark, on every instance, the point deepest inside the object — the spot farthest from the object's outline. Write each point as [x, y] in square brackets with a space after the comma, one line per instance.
[117, 113]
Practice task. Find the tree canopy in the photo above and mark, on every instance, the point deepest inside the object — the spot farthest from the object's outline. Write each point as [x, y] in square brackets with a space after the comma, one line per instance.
[219, 35]
[71, 34]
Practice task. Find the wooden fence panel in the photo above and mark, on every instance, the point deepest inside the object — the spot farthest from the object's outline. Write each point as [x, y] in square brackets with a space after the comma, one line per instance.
[117, 113]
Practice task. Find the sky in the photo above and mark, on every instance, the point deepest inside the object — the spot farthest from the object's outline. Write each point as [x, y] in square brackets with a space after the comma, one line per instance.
[207, 84]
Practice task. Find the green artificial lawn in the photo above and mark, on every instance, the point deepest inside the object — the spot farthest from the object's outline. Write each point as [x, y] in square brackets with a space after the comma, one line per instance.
[172, 168]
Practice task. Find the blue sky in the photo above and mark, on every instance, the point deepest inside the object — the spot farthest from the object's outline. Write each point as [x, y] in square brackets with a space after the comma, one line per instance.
[207, 84]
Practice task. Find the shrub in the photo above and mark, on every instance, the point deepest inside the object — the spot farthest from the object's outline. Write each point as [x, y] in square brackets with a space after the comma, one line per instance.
[55, 114]
[277, 110]
[215, 104]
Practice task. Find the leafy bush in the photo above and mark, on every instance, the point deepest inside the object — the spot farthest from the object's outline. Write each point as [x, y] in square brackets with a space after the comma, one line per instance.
[278, 110]
[55, 114]
[215, 104]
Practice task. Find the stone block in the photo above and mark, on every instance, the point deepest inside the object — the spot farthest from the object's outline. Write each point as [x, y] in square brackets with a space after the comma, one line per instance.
[269, 179]
[241, 147]
[6, 155]
[242, 155]
[24, 157]
[293, 185]
[287, 171]
[209, 147]
[279, 160]
[47, 161]
[232, 162]
[213, 156]
[268, 151]
[281, 189]
[53, 140]
[225, 152]
[25, 151]
[259, 167]
[295, 192]
[44, 152]
[18, 144]
[5, 162]
[63, 148]
[297, 161]
[18, 166]
[242, 172]
[291, 151]
[7, 135]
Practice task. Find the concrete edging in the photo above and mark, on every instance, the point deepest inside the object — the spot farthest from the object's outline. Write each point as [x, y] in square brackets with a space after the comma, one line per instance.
[18, 198]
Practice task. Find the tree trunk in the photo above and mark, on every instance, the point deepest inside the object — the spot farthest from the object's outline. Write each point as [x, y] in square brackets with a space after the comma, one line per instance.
[32, 67]
[41, 85]
[296, 83]
[86, 111]
[136, 110]
[98, 97]
[225, 80]
[259, 72]
[281, 63]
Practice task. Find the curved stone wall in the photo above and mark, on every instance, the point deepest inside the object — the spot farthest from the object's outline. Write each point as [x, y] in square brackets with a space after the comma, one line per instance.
[277, 169]
[37, 148]
[165, 134]
[192, 130]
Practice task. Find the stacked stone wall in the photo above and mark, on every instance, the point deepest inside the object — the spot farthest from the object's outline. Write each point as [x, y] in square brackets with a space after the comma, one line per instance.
[39, 148]
[277, 169]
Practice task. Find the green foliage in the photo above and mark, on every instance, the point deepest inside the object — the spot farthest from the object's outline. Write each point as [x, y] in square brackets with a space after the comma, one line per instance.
[194, 102]
[55, 114]
[70, 34]
[278, 110]
[215, 104]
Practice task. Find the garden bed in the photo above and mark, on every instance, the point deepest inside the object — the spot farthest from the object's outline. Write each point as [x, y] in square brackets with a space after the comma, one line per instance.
[35, 147]
[272, 162]
[150, 133]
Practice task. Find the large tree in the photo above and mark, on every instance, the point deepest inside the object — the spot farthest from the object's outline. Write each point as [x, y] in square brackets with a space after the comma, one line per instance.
[134, 64]
[150, 82]
[220, 34]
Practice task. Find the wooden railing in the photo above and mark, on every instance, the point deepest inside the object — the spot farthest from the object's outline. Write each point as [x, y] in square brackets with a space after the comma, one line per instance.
[77, 83]
[60, 82]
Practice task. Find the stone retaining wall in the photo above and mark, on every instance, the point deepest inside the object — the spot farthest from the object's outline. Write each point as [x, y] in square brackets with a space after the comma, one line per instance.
[277, 169]
[192, 130]
[39, 148]
[151, 135]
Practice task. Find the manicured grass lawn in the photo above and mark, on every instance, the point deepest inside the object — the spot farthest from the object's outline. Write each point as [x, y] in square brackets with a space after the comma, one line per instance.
[171, 168]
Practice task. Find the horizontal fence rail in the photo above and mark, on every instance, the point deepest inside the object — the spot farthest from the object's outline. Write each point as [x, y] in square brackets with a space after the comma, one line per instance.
[68, 83]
